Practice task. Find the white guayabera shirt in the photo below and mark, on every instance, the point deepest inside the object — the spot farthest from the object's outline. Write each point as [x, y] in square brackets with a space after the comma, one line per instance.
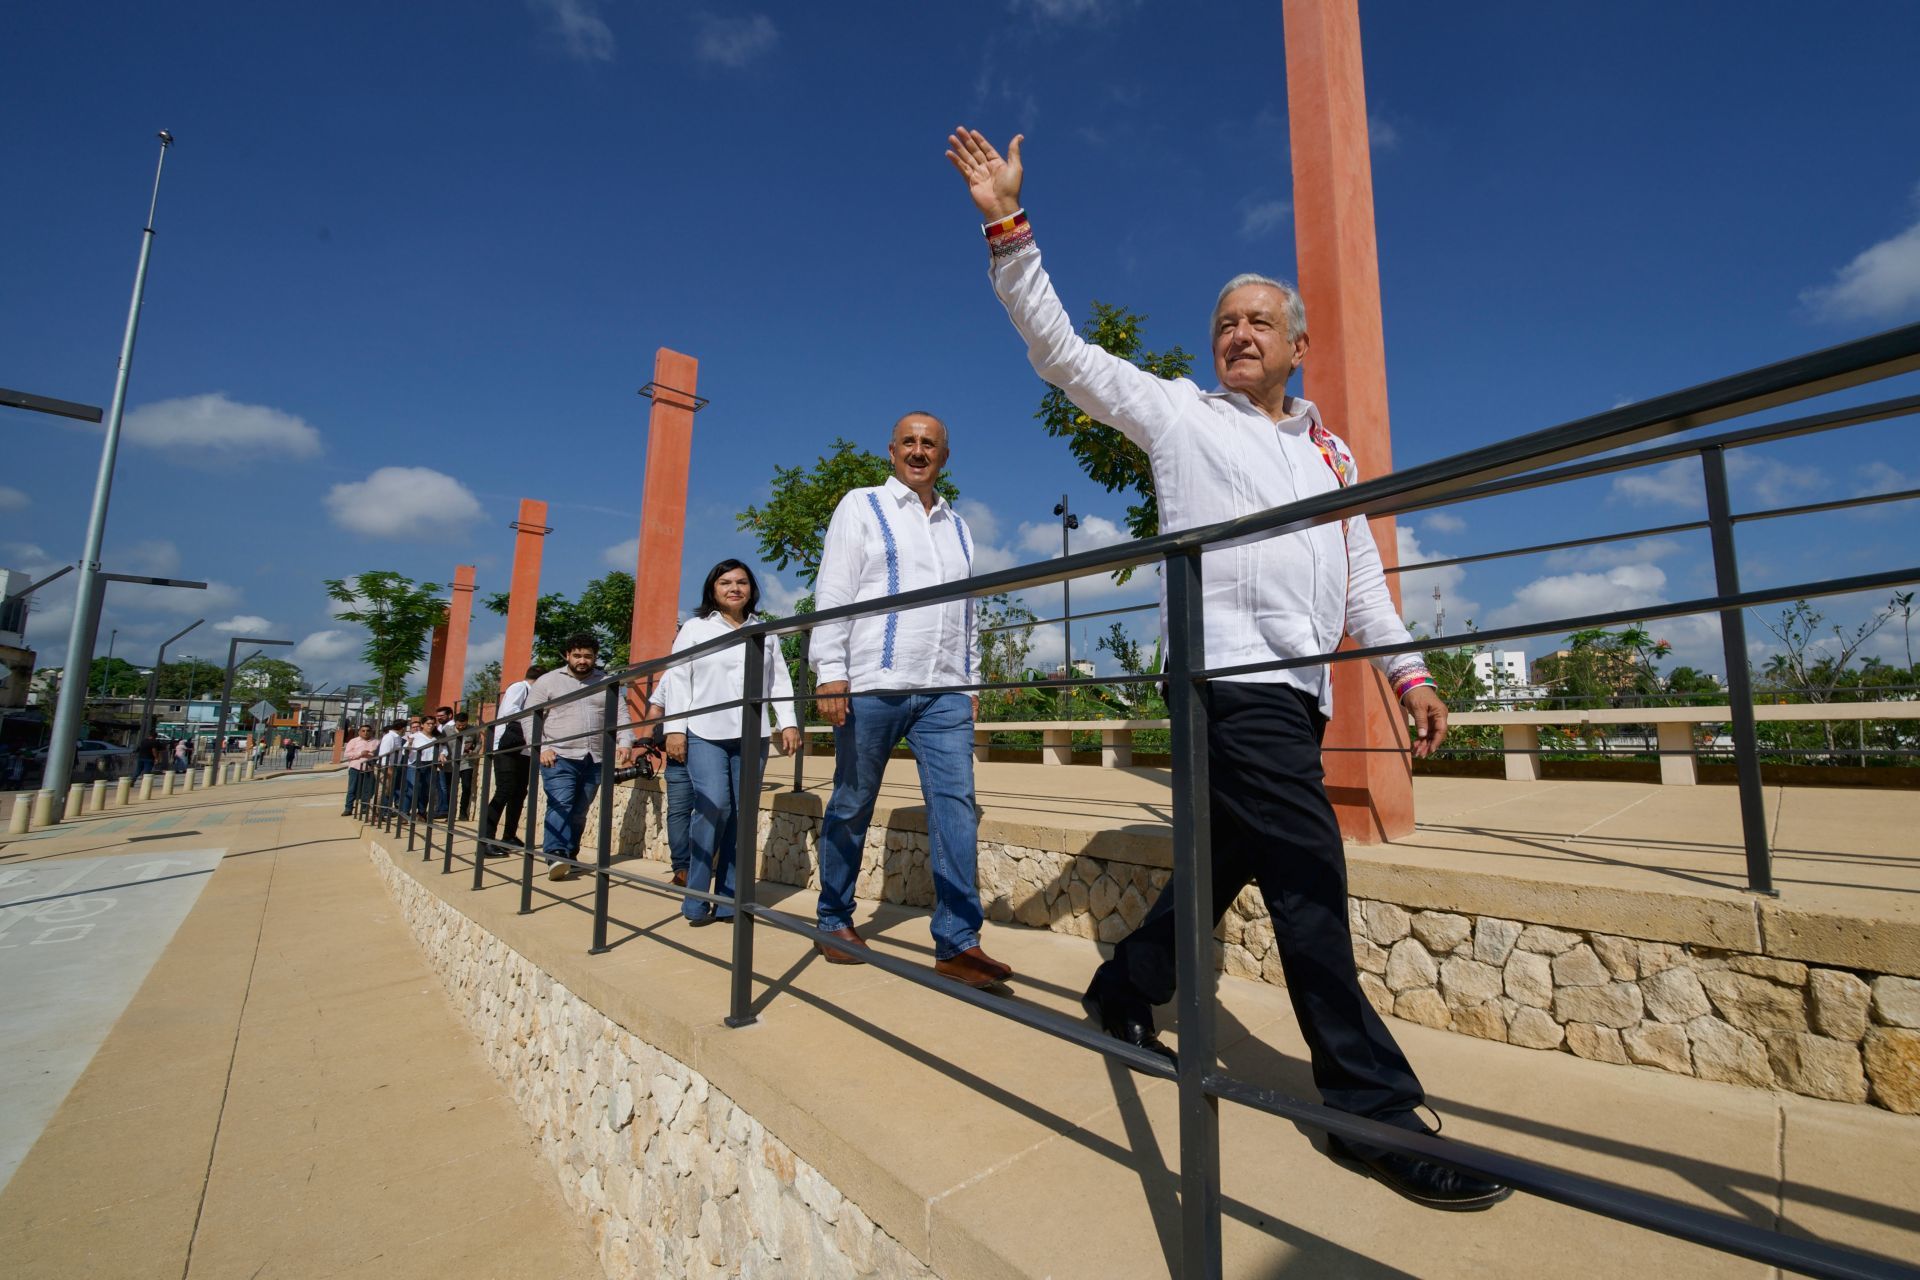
[883, 541]
[721, 677]
[1215, 457]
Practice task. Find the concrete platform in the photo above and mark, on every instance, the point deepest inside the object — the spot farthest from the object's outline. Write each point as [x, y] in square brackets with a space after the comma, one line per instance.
[287, 1092]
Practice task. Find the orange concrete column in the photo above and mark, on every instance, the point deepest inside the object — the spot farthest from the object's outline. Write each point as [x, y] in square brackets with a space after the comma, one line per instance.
[663, 509]
[523, 596]
[1368, 773]
[436, 664]
[453, 670]
[339, 743]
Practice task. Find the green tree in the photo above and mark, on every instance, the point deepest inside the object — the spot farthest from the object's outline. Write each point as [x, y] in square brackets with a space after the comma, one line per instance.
[1005, 641]
[274, 679]
[1694, 688]
[1454, 677]
[116, 678]
[1603, 668]
[398, 614]
[189, 678]
[483, 686]
[605, 608]
[792, 526]
[1111, 460]
[1124, 648]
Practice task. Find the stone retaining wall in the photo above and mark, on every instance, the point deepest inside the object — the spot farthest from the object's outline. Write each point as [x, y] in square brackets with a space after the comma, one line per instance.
[671, 1176]
[1847, 1035]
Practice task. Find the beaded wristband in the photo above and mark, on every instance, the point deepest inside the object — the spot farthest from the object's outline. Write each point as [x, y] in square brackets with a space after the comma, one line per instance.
[1009, 235]
[1411, 681]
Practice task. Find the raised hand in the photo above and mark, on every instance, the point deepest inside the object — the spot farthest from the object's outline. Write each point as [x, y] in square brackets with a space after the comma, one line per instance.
[992, 180]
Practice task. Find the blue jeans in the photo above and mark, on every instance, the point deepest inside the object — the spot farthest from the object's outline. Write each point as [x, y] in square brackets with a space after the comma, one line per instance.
[359, 787]
[421, 789]
[713, 768]
[679, 811]
[570, 785]
[939, 728]
[403, 788]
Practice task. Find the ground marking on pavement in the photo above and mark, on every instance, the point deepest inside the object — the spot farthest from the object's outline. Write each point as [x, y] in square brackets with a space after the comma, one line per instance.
[77, 938]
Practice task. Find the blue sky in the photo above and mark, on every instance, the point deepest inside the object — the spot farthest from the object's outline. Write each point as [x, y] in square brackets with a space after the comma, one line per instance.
[414, 261]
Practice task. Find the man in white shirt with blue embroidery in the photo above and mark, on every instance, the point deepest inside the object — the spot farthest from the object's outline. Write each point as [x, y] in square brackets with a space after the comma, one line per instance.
[1246, 447]
[901, 536]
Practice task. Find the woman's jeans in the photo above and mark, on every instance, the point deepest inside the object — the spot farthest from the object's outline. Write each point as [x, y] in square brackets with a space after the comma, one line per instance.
[713, 766]
[679, 812]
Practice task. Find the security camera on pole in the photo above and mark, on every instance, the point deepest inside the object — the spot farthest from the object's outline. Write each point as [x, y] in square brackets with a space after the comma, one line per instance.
[71, 709]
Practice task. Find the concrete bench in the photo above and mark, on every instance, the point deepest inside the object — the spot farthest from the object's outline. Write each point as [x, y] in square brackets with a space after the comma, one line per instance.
[1675, 729]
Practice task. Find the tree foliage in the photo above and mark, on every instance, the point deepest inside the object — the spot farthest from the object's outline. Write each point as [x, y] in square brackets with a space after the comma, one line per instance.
[189, 678]
[116, 678]
[483, 686]
[1602, 668]
[274, 679]
[791, 527]
[399, 616]
[1111, 460]
[605, 608]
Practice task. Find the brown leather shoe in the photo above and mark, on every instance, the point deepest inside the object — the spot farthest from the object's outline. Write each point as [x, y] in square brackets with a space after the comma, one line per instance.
[1001, 972]
[964, 968]
[854, 941]
[680, 879]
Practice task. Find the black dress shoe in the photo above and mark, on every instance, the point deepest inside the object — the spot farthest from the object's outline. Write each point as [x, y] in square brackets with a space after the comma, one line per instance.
[1124, 1016]
[1435, 1185]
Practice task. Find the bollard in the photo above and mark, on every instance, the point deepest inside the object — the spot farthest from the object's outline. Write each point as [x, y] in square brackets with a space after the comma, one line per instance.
[146, 787]
[98, 801]
[166, 783]
[251, 767]
[76, 800]
[122, 792]
[43, 809]
[17, 824]
[197, 780]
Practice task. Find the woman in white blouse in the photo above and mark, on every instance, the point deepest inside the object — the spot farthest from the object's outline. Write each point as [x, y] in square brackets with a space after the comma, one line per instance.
[709, 742]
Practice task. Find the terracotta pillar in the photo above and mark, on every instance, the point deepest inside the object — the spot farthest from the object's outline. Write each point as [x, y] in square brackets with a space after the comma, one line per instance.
[523, 596]
[663, 509]
[436, 665]
[1368, 773]
[453, 670]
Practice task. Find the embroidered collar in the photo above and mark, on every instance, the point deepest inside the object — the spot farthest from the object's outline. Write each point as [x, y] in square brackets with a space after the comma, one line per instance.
[903, 495]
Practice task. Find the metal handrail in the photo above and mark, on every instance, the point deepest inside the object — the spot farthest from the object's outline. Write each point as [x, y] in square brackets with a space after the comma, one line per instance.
[1199, 1082]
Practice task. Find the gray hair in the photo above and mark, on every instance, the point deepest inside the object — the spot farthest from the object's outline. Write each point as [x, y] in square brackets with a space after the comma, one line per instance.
[1296, 310]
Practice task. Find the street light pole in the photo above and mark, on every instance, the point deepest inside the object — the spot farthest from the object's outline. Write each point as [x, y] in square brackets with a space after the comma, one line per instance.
[72, 706]
[1068, 520]
[226, 695]
[106, 667]
[153, 681]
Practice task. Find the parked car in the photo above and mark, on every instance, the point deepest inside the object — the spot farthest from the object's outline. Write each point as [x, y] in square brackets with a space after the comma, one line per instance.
[92, 759]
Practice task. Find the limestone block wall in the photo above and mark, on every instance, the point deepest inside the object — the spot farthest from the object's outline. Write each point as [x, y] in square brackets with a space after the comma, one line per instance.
[1843, 1034]
[670, 1175]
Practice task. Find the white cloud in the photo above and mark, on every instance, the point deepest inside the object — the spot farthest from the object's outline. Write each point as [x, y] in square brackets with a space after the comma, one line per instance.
[582, 31]
[1609, 555]
[1884, 477]
[776, 596]
[1259, 218]
[1570, 595]
[249, 623]
[1381, 134]
[326, 646]
[13, 499]
[211, 430]
[734, 42]
[415, 503]
[622, 555]
[1771, 481]
[1443, 522]
[481, 652]
[1417, 585]
[1675, 484]
[1881, 283]
[1095, 11]
[1040, 539]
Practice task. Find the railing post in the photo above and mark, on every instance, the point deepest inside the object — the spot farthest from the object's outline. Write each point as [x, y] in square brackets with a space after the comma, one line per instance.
[480, 814]
[433, 774]
[1193, 923]
[1733, 645]
[409, 789]
[602, 882]
[453, 803]
[746, 844]
[801, 690]
[533, 791]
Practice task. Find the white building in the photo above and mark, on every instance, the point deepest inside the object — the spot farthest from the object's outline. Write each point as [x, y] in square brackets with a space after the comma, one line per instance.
[1501, 669]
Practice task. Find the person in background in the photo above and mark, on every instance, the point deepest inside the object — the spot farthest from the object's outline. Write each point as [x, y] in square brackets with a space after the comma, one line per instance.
[570, 766]
[510, 766]
[423, 749]
[391, 758]
[180, 756]
[469, 752]
[709, 743]
[293, 748]
[358, 756]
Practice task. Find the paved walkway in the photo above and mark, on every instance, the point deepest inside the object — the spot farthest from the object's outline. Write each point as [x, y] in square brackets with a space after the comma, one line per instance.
[287, 1094]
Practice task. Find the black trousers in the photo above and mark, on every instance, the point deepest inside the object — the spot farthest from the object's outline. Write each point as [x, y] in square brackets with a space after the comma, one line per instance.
[509, 795]
[1273, 824]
